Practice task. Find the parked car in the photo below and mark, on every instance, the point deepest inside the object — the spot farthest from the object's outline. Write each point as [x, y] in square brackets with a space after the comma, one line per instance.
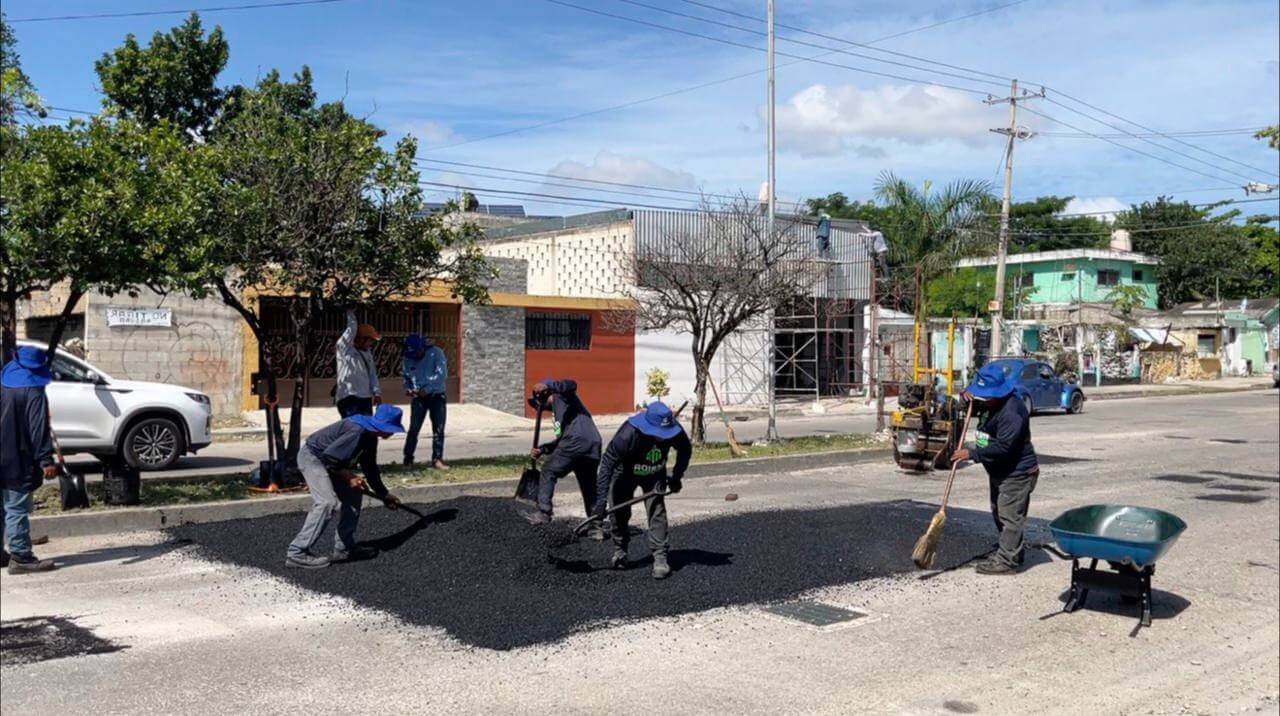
[149, 425]
[1040, 388]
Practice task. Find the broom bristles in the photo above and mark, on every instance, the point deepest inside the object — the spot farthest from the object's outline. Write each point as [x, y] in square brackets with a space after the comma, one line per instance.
[734, 448]
[927, 546]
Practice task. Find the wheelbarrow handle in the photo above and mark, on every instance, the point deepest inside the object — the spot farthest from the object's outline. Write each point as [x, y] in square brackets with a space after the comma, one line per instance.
[596, 518]
[401, 506]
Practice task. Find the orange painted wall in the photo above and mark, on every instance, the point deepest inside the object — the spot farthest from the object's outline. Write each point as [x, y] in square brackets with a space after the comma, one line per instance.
[605, 373]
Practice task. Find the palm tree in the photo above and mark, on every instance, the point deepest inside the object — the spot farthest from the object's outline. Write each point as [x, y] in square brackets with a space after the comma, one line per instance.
[933, 230]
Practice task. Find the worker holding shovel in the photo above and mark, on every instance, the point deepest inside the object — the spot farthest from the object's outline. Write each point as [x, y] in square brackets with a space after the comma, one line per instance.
[26, 452]
[326, 463]
[1003, 446]
[574, 448]
[637, 458]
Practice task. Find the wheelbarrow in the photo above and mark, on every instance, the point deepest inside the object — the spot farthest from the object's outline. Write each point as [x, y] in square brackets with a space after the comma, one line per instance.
[1129, 539]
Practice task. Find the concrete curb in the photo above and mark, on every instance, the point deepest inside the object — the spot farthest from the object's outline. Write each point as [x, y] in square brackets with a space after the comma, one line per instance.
[1188, 390]
[133, 519]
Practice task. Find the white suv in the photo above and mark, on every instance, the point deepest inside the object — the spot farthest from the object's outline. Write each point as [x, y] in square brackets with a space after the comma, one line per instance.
[150, 425]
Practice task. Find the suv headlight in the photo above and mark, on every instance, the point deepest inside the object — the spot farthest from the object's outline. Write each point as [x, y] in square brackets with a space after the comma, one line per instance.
[200, 398]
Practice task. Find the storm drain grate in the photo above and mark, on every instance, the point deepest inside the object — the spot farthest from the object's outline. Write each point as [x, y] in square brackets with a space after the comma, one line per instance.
[815, 613]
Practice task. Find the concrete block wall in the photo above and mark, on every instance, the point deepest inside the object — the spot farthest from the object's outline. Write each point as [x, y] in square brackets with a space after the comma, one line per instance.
[493, 357]
[202, 349]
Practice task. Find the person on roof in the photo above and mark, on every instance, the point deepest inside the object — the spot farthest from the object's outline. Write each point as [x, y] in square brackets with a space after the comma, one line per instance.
[326, 462]
[1003, 446]
[574, 447]
[637, 458]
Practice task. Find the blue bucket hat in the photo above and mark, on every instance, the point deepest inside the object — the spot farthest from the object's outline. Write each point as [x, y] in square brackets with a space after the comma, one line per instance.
[656, 421]
[415, 346]
[28, 369]
[386, 419]
[991, 382]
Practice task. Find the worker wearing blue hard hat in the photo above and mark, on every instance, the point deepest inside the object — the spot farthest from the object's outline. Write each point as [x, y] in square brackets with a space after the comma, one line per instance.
[1003, 446]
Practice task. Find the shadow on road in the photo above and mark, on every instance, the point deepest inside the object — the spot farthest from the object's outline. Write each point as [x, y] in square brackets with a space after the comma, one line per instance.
[125, 555]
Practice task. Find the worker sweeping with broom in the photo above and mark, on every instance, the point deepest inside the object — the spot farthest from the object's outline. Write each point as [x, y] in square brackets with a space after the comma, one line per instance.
[1003, 446]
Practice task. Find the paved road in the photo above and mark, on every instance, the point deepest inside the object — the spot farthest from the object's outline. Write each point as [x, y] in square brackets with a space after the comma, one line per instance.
[206, 637]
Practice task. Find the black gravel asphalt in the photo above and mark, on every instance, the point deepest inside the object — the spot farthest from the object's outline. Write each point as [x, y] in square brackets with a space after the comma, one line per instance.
[26, 641]
[479, 571]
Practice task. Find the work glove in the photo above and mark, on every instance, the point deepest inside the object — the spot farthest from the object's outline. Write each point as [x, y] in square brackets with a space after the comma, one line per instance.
[674, 485]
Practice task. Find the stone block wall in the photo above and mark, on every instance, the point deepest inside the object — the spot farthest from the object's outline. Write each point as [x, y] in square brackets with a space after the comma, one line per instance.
[202, 349]
[493, 357]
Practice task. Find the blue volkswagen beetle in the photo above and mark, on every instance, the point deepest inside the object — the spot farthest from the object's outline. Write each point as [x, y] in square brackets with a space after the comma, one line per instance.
[1039, 387]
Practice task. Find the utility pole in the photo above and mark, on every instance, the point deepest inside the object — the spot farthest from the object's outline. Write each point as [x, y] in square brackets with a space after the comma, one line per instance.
[1012, 132]
[771, 431]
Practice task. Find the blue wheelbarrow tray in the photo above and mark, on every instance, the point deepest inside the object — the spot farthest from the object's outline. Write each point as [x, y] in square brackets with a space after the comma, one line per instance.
[1121, 534]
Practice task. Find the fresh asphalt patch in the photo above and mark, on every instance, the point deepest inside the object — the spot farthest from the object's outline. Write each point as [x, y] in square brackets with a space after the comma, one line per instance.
[476, 569]
[27, 641]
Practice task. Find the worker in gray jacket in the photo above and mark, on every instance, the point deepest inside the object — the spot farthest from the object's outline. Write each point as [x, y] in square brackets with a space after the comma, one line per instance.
[356, 391]
[326, 462]
[26, 453]
[1003, 446]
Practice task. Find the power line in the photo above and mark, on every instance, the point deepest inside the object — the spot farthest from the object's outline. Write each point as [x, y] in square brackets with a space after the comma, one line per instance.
[572, 178]
[1152, 142]
[1267, 172]
[704, 85]
[151, 13]
[562, 186]
[743, 45]
[759, 33]
[1189, 133]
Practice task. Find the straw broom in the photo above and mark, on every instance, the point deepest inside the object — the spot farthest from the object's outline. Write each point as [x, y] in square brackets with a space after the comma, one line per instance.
[927, 546]
[734, 448]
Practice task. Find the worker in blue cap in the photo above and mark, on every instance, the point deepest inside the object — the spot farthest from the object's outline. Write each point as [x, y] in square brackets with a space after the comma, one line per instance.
[424, 369]
[1003, 446]
[326, 462]
[574, 447]
[637, 458]
[26, 452]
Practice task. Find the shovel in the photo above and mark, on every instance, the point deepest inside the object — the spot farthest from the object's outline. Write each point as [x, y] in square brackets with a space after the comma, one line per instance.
[402, 506]
[72, 494]
[583, 525]
[527, 489]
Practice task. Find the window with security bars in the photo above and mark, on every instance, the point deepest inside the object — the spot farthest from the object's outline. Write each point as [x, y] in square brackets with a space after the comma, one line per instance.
[1108, 277]
[557, 331]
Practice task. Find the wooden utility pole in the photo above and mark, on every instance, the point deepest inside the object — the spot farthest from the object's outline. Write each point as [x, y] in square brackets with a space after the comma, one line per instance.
[1012, 132]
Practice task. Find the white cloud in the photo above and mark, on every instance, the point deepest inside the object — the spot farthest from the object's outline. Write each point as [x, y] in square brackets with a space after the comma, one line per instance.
[823, 120]
[1092, 205]
[608, 166]
[434, 134]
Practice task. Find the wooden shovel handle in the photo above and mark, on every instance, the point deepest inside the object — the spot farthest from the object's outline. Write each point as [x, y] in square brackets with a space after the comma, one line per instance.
[954, 463]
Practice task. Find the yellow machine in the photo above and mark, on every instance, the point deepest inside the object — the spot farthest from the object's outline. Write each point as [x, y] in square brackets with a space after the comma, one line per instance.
[925, 427]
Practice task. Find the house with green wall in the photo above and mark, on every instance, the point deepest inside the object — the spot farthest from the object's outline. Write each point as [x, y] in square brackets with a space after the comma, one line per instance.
[1074, 276]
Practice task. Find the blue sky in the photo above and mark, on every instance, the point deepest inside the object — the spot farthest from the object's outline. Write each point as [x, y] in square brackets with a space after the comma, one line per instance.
[452, 72]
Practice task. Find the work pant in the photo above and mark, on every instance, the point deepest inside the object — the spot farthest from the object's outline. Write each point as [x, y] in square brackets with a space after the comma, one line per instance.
[624, 488]
[423, 406]
[355, 405]
[17, 522]
[327, 497]
[1010, 501]
[560, 464]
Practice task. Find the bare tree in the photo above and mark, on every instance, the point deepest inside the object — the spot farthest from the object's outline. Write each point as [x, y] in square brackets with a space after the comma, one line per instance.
[708, 273]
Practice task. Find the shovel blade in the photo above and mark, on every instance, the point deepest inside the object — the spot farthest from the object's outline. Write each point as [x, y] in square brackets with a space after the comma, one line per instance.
[71, 490]
[528, 487]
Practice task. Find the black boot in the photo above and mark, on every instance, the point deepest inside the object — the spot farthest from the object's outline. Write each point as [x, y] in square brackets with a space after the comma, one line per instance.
[28, 564]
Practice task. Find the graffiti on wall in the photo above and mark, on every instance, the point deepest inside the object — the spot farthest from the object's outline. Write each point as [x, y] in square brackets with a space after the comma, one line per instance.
[193, 353]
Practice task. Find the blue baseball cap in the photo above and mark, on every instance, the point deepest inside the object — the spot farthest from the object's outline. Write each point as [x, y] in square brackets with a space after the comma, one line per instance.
[991, 382]
[28, 369]
[657, 421]
[386, 419]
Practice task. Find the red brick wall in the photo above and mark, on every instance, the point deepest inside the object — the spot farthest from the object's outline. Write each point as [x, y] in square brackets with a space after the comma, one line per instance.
[605, 372]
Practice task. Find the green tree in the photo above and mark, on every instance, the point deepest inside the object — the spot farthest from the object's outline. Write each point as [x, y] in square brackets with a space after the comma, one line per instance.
[1126, 298]
[1264, 237]
[1271, 134]
[967, 291]
[173, 78]
[1036, 226]
[17, 93]
[106, 206]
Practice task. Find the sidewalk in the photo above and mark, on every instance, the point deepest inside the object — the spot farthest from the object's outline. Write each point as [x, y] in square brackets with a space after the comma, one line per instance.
[1187, 387]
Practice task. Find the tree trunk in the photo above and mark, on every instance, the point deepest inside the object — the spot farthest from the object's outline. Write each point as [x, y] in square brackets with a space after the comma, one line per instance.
[264, 364]
[9, 319]
[60, 326]
[698, 422]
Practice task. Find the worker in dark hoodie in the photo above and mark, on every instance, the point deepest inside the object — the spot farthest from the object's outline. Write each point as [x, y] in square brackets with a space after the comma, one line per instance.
[1003, 446]
[326, 462]
[574, 447]
[26, 452]
[637, 458]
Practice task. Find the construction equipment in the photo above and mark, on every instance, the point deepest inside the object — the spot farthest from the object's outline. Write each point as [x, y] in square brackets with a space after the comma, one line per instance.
[926, 426]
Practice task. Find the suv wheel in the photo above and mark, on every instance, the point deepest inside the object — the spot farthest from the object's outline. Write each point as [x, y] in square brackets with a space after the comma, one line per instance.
[1077, 403]
[153, 444]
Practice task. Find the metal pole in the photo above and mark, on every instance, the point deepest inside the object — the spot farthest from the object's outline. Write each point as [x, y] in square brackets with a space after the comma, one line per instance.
[873, 343]
[997, 315]
[771, 431]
